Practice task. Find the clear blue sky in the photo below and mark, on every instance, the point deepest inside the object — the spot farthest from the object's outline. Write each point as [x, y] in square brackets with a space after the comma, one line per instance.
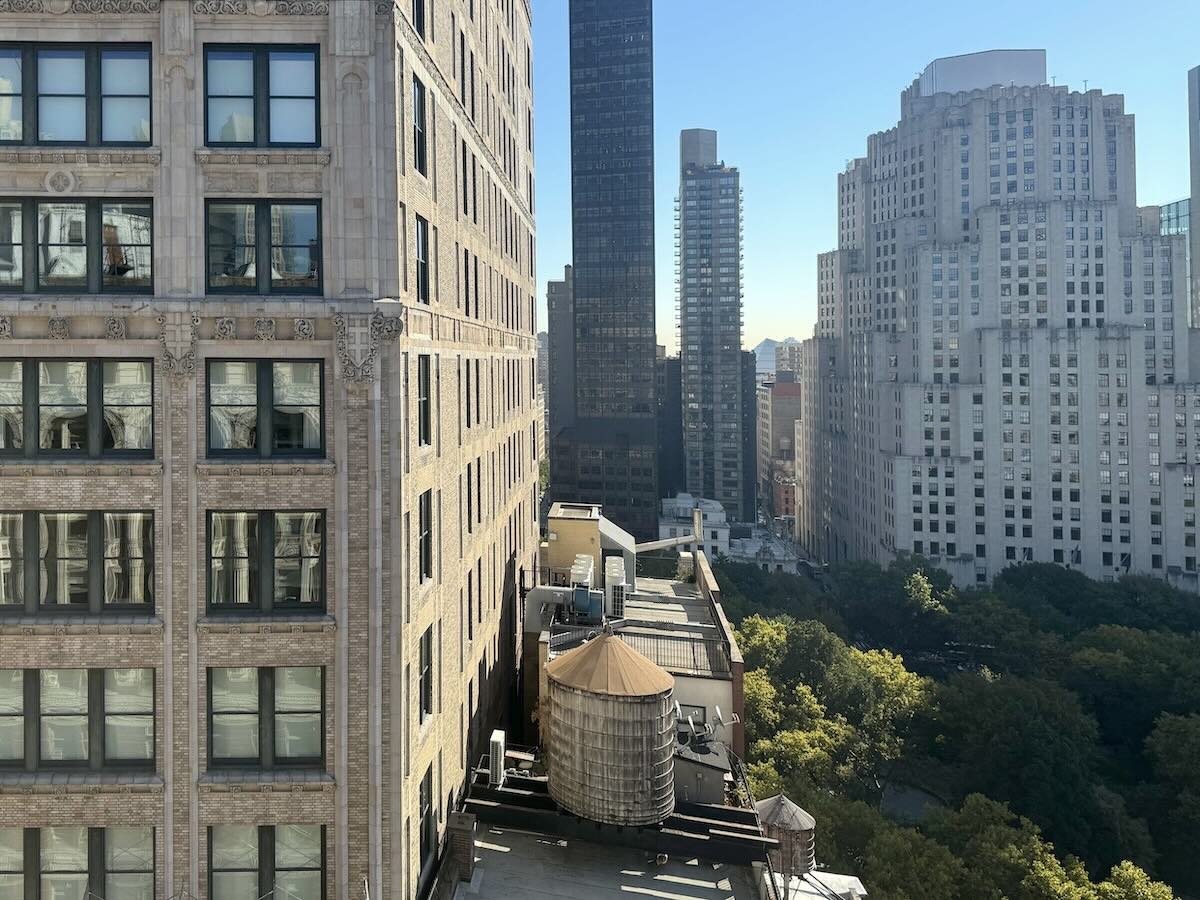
[794, 88]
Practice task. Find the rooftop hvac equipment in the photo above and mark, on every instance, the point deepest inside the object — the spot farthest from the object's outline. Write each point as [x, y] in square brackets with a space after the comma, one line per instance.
[795, 830]
[610, 735]
[496, 751]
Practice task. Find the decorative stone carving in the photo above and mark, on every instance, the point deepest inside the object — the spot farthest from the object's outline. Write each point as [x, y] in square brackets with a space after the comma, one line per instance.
[305, 330]
[60, 181]
[264, 329]
[146, 156]
[114, 328]
[235, 157]
[357, 339]
[120, 7]
[293, 182]
[21, 6]
[6, 332]
[177, 332]
[384, 7]
[225, 329]
[231, 182]
[261, 7]
[58, 329]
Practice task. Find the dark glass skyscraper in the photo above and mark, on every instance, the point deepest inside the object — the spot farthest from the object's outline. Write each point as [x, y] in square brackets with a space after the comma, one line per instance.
[607, 454]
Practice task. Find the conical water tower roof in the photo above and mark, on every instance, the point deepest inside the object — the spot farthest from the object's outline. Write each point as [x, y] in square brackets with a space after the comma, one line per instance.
[783, 813]
[607, 665]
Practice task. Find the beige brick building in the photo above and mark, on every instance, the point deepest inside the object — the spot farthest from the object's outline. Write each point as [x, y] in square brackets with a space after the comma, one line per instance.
[262, 528]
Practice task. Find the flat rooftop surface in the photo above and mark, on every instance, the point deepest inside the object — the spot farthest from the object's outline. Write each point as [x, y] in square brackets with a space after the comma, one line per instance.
[513, 863]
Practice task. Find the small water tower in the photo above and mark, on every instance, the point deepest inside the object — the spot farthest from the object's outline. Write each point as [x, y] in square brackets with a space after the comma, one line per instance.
[610, 734]
[795, 830]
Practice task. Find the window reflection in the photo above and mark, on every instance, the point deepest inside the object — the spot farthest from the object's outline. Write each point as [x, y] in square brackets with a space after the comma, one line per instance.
[12, 418]
[296, 424]
[61, 96]
[63, 540]
[233, 405]
[62, 245]
[233, 558]
[126, 232]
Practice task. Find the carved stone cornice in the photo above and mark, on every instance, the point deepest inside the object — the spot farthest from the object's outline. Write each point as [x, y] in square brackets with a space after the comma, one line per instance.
[232, 156]
[83, 7]
[247, 468]
[150, 625]
[261, 7]
[90, 470]
[260, 625]
[83, 156]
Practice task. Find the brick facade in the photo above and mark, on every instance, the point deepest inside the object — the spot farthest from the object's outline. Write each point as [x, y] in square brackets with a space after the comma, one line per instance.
[368, 330]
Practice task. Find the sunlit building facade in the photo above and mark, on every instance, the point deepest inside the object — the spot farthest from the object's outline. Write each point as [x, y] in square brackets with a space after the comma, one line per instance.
[1009, 376]
[269, 438]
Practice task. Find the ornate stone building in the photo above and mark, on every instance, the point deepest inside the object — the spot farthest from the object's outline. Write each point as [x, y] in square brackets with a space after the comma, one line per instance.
[262, 527]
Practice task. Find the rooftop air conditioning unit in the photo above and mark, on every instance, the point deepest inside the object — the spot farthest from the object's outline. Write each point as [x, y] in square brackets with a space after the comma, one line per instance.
[496, 759]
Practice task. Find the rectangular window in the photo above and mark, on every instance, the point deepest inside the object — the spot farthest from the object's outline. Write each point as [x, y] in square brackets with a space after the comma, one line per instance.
[249, 861]
[74, 861]
[422, 236]
[428, 825]
[91, 562]
[266, 561]
[424, 401]
[266, 717]
[261, 96]
[84, 246]
[425, 535]
[76, 718]
[288, 234]
[426, 699]
[280, 401]
[87, 408]
[418, 17]
[420, 143]
[84, 94]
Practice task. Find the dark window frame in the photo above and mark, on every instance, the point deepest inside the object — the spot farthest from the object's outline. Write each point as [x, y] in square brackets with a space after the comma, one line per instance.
[97, 757]
[422, 241]
[266, 859]
[93, 96]
[97, 870]
[420, 125]
[261, 98]
[425, 530]
[264, 579]
[262, 247]
[265, 399]
[425, 678]
[31, 412]
[266, 725]
[93, 244]
[32, 604]
[424, 400]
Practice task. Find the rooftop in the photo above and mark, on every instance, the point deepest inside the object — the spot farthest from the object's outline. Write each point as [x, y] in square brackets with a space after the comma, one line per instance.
[517, 863]
[667, 621]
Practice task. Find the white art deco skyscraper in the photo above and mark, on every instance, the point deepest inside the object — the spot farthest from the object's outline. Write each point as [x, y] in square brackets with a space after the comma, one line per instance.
[1002, 371]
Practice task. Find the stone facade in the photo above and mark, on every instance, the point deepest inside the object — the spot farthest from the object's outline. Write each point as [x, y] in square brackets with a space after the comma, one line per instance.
[369, 327]
[1004, 368]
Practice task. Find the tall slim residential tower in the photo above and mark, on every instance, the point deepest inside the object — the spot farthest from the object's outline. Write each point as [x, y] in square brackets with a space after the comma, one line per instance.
[268, 456]
[1008, 372]
[710, 322]
[560, 341]
[607, 454]
[1194, 143]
